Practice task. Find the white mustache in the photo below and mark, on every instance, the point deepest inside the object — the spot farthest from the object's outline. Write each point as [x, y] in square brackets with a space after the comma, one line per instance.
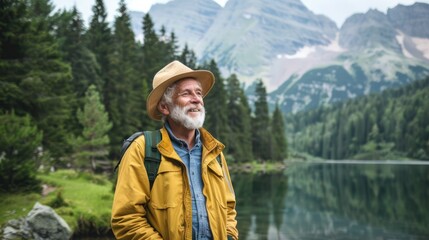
[193, 109]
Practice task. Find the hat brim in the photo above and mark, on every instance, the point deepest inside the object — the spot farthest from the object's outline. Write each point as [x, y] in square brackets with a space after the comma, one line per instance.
[206, 79]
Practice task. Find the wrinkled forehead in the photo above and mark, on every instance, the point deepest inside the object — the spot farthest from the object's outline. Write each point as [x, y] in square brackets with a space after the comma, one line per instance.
[188, 83]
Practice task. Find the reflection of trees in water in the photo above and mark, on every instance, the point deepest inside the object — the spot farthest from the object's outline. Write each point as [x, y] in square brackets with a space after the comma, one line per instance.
[335, 200]
[391, 196]
[260, 198]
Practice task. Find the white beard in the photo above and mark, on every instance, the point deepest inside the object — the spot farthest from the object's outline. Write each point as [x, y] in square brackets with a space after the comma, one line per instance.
[180, 115]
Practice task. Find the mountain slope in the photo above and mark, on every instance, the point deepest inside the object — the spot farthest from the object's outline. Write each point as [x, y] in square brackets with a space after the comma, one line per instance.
[369, 30]
[412, 20]
[303, 58]
[247, 35]
[189, 19]
[371, 55]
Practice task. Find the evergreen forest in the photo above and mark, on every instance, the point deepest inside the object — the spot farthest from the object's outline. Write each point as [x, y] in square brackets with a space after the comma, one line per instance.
[70, 93]
[391, 125]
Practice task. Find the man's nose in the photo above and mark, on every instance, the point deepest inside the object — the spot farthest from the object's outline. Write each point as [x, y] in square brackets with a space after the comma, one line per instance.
[197, 98]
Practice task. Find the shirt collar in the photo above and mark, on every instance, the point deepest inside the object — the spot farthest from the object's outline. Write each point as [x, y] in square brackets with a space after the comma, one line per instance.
[181, 142]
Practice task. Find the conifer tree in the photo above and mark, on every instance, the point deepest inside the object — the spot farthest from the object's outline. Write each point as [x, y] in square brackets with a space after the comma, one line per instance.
[150, 62]
[215, 104]
[239, 140]
[188, 57]
[91, 147]
[19, 140]
[14, 26]
[151, 58]
[168, 47]
[261, 138]
[172, 47]
[279, 143]
[85, 69]
[98, 39]
[14, 47]
[125, 95]
[36, 80]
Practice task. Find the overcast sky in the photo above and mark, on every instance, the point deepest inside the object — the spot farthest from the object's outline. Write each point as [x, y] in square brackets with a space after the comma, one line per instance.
[337, 10]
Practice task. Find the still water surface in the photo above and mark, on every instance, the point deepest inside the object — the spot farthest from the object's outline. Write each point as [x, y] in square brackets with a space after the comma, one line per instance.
[335, 200]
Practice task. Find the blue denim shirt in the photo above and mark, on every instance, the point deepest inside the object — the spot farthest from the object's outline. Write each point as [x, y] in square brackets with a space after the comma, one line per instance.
[192, 159]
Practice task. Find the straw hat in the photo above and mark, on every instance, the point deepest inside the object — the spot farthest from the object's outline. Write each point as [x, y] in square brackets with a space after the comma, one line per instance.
[171, 73]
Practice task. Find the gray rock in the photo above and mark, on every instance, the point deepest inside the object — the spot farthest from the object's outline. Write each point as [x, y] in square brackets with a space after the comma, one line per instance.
[41, 223]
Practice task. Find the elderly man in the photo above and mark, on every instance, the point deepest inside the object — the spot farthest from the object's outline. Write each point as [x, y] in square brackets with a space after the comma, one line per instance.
[192, 196]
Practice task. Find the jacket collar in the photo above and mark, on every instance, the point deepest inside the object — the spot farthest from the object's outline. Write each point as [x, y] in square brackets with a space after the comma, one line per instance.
[210, 145]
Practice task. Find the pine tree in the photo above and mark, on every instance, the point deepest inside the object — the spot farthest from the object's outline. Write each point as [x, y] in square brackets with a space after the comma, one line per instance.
[261, 138]
[85, 69]
[49, 80]
[98, 39]
[91, 147]
[14, 28]
[14, 47]
[188, 57]
[239, 137]
[35, 78]
[125, 95]
[151, 59]
[279, 143]
[215, 104]
[19, 140]
[150, 62]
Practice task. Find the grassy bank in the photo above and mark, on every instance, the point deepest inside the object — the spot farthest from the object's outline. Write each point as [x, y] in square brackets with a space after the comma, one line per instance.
[82, 199]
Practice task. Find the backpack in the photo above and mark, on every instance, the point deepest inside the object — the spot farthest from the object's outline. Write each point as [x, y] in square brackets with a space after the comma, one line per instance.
[152, 158]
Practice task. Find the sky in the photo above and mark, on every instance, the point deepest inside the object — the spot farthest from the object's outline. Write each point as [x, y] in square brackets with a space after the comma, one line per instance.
[337, 10]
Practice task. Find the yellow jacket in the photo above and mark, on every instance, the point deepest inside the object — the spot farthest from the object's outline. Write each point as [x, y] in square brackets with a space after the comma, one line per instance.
[165, 211]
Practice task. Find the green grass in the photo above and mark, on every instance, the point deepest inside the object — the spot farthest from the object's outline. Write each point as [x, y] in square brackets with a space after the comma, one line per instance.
[14, 206]
[84, 201]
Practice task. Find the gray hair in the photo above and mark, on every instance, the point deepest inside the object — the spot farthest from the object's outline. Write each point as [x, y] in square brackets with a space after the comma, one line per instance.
[167, 98]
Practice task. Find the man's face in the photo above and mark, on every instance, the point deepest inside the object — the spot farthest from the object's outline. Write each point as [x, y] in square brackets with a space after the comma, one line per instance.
[188, 106]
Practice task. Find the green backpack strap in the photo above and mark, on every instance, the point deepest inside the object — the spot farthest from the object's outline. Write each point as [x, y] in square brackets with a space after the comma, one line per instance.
[152, 157]
[127, 142]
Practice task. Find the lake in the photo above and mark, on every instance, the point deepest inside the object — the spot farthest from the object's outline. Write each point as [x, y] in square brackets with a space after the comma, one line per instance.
[335, 200]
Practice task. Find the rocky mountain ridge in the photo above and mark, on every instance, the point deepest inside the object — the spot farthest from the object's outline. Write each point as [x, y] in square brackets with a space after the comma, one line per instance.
[303, 58]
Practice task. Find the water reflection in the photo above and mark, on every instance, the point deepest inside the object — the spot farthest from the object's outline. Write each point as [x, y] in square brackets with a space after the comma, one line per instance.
[335, 201]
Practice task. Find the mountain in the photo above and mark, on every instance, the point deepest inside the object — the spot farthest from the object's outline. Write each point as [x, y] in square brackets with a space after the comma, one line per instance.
[304, 59]
[369, 30]
[189, 19]
[412, 20]
[247, 35]
[371, 54]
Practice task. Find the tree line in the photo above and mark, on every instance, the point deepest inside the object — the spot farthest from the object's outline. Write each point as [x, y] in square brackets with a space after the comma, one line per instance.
[389, 125]
[70, 94]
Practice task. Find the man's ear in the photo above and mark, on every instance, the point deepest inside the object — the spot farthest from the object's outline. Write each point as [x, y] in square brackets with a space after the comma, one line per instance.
[163, 108]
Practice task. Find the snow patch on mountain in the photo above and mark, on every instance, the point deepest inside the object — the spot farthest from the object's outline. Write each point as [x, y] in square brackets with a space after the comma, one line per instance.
[308, 57]
[400, 38]
[422, 44]
[300, 54]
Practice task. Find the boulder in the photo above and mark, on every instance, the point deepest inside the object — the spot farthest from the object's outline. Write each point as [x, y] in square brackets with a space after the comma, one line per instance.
[42, 222]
